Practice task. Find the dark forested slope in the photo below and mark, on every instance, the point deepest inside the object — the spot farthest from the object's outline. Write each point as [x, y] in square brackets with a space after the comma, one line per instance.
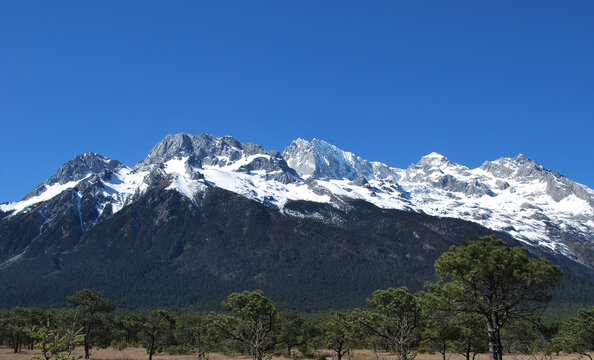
[163, 250]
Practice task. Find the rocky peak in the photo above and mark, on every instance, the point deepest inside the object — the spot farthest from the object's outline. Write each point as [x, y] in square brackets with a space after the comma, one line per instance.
[521, 168]
[173, 146]
[534, 199]
[206, 150]
[301, 157]
[202, 149]
[434, 159]
[440, 173]
[83, 165]
[78, 168]
[321, 160]
[524, 170]
[432, 163]
[522, 159]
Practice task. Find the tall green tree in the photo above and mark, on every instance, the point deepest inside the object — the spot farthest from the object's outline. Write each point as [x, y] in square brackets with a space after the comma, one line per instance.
[291, 330]
[463, 332]
[251, 322]
[472, 340]
[498, 282]
[129, 326]
[577, 334]
[397, 319]
[442, 328]
[15, 323]
[195, 329]
[156, 331]
[524, 337]
[14, 327]
[91, 308]
[339, 332]
[310, 337]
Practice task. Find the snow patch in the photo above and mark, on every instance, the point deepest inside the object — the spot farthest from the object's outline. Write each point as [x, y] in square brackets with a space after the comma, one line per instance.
[49, 192]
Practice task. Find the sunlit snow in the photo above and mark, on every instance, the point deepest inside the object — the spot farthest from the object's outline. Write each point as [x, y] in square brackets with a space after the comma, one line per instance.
[48, 193]
[512, 199]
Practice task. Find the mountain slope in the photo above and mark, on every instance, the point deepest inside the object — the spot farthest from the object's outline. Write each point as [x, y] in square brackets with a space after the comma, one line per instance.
[221, 215]
[517, 196]
[164, 249]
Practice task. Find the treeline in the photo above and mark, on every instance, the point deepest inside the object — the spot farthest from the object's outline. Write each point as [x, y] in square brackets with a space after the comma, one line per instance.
[488, 298]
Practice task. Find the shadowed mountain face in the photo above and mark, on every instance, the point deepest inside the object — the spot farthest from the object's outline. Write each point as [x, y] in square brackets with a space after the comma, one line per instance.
[165, 250]
[315, 228]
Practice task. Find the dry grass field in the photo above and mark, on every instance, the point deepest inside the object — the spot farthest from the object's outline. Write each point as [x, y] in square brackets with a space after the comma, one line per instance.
[140, 354]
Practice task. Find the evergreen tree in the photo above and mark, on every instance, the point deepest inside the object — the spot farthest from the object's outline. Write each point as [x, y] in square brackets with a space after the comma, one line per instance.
[338, 332]
[196, 330]
[396, 319]
[91, 307]
[495, 281]
[156, 331]
[251, 322]
[577, 334]
[291, 329]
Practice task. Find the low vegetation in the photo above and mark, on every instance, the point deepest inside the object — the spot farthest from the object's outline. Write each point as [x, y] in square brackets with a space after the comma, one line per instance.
[489, 298]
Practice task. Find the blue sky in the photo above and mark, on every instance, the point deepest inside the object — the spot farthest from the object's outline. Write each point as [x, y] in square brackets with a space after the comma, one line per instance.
[388, 80]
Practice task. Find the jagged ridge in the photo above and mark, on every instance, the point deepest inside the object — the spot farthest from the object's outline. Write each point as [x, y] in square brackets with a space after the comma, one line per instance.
[515, 195]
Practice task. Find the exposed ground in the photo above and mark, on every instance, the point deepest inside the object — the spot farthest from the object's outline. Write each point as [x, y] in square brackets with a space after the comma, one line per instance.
[140, 354]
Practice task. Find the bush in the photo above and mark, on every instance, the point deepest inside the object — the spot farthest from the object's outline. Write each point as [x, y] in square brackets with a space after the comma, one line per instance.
[121, 345]
[277, 353]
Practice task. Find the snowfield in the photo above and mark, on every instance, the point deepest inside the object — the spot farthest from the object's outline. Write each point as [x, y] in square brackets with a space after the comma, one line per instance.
[514, 195]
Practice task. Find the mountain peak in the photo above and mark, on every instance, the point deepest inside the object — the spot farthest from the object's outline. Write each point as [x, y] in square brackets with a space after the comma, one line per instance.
[319, 159]
[520, 159]
[513, 194]
[518, 167]
[199, 147]
[173, 146]
[321, 142]
[523, 159]
[434, 159]
[78, 168]
[209, 151]
[83, 165]
[435, 155]
[89, 154]
[301, 156]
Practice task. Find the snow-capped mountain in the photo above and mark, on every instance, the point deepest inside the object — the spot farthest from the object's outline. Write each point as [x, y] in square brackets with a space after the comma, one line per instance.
[319, 160]
[517, 196]
[514, 195]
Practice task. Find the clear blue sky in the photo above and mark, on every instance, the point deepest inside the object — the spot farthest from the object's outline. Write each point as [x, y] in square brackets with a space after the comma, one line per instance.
[388, 80]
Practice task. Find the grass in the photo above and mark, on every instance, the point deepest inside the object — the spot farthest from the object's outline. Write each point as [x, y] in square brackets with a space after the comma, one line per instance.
[140, 354]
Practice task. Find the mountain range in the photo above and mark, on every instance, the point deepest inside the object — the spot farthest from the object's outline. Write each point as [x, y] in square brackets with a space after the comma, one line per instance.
[220, 215]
